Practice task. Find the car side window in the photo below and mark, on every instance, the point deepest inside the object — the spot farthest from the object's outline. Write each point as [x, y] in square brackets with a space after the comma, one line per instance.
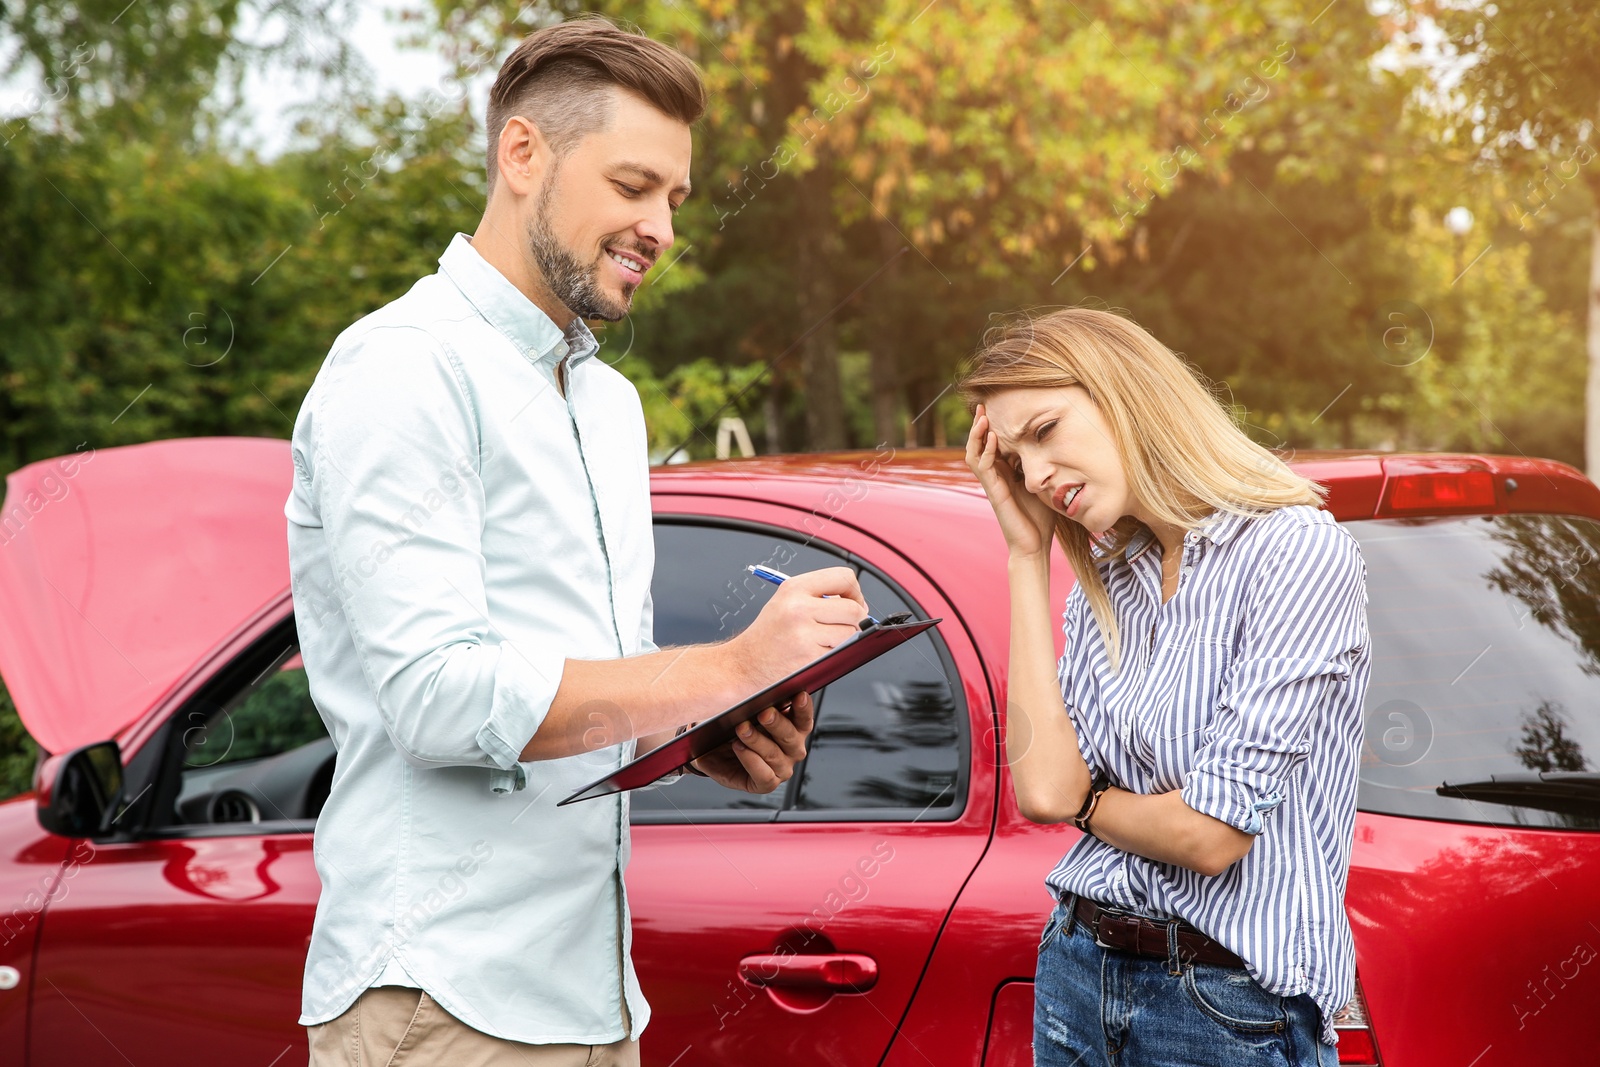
[272, 718]
[256, 751]
[702, 593]
[890, 737]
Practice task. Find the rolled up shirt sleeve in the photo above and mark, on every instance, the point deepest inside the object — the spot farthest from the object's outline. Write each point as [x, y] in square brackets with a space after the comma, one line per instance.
[1305, 624]
[1068, 665]
[394, 471]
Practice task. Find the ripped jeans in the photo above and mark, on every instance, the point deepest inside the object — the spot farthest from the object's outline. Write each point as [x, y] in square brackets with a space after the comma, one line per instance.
[1100, 1007]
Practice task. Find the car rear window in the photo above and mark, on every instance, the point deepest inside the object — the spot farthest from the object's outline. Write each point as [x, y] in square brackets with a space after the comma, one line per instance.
[1485, 669]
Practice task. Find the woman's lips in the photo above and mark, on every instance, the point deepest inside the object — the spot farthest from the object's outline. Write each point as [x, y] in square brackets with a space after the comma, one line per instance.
[1060, 496]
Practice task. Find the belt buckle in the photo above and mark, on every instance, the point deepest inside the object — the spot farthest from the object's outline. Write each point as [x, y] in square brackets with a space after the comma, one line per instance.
[1101, 914]
[1091, 924]
[1094, 928]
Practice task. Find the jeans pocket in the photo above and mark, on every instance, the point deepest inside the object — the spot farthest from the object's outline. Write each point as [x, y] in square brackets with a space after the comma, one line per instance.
[1052, 926]
[1231, 997]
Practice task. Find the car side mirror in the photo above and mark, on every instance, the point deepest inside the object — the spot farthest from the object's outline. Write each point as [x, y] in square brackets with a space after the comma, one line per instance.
[79, 793]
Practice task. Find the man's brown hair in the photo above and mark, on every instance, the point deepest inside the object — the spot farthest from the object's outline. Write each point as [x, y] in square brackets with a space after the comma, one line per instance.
[557, 79]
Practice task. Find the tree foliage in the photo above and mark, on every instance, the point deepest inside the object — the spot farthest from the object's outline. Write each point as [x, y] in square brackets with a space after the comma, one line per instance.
[1261, 184]
[1521, 112]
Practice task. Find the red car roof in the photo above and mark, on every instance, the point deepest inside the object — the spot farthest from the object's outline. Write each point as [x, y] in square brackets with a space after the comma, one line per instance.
[1356, 478]
[121, 569]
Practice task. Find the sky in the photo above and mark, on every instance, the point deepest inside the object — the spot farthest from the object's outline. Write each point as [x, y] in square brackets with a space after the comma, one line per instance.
[272, 94]
[376, 35]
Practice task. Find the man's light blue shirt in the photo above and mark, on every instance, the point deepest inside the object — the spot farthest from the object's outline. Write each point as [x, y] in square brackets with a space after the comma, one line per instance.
[457, 529]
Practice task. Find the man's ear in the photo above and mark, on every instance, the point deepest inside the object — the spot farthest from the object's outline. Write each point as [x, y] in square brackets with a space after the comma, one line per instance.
[522, 157]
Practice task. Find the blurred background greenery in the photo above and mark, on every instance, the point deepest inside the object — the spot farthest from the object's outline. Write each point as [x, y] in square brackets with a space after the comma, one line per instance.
[1368, 224]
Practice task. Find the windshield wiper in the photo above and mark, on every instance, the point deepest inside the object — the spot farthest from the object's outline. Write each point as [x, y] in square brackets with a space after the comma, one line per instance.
[1564, 792]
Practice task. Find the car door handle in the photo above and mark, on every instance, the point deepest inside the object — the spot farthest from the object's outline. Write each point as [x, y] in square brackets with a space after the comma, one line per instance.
[837, 972]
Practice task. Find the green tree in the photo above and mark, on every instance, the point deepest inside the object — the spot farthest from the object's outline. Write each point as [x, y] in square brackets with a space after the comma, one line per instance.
[1524, 108]
[882, 176]
[134, 237]
[18, 753]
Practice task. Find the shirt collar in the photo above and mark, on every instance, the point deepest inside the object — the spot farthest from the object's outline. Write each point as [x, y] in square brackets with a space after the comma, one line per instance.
[1219, 528]
[505, 308]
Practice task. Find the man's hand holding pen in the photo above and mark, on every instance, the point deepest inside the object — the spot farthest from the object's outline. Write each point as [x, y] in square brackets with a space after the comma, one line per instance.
[809, 614]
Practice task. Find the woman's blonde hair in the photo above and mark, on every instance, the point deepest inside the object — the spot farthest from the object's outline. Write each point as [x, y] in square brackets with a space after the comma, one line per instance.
[1182, 453]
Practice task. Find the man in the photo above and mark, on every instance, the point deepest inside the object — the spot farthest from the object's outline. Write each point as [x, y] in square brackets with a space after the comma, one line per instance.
[471, 548]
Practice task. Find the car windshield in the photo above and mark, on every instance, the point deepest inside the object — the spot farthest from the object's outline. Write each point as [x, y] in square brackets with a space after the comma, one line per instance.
[1484, 702]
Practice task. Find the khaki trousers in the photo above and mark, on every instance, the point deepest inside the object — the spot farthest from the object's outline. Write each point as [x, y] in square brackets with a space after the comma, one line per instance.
[396, 1026]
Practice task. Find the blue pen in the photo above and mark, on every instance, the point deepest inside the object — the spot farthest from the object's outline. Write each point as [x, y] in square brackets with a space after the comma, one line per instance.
[776, 577]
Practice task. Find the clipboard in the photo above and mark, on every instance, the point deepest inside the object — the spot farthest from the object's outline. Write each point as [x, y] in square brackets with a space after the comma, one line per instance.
[858, 649]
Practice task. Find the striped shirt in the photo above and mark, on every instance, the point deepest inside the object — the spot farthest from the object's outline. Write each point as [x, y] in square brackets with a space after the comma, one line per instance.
[1245, 691]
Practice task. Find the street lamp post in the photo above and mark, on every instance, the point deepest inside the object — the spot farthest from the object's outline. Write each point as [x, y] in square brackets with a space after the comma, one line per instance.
[1458, 220]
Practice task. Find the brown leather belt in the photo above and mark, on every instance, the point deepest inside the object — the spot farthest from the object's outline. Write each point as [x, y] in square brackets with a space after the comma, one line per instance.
[1148, 937]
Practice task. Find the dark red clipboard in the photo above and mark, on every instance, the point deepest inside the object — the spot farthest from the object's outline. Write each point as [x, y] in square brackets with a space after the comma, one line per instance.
[858, 649]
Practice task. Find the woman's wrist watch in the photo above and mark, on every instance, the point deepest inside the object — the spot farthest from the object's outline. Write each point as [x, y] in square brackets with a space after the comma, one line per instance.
[1081, 820]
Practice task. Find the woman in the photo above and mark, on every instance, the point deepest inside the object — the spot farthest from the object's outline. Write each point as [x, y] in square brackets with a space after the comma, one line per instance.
[1203, 727]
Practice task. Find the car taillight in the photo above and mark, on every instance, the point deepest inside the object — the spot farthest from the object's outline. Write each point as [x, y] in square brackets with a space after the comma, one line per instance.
[1426, 489]
[1357, 1045]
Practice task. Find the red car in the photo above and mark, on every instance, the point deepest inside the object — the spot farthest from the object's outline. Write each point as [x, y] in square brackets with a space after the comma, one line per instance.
[158, 893]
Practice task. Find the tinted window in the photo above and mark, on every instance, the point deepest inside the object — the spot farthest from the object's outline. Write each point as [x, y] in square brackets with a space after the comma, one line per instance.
[702, 593]
[888, 742]
[701, 590]
[262, 755]
[1486, 665]
[276, 716]
[888, 735]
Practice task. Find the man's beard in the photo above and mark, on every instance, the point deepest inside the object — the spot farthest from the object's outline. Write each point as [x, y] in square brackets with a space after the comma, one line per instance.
[575, 284]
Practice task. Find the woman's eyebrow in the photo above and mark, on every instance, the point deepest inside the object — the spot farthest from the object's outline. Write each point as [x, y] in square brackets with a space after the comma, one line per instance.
[1009, 456]
[1031, 421]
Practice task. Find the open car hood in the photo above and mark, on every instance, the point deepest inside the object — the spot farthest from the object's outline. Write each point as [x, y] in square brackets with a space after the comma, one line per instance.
[120, 568]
